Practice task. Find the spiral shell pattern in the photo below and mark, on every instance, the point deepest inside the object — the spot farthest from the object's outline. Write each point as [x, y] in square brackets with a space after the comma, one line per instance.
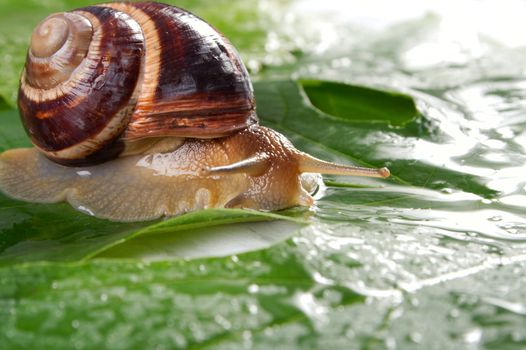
[101, 76]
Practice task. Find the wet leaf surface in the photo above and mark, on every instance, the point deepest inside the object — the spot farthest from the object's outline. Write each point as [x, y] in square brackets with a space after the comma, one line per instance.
[433, 258]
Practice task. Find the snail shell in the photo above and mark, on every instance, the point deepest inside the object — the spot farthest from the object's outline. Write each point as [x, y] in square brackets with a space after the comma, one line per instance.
[99, 78]
[148, 112]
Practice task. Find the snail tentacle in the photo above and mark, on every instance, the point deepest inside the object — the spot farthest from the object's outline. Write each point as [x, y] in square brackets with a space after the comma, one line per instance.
[310, 164]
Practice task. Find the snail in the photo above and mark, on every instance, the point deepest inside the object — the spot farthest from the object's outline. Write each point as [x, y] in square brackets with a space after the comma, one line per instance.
[142, 110]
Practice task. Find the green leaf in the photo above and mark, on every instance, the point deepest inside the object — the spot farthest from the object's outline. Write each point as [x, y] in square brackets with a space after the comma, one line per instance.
[12, 134]
[444, 237]
[141, 305]
[283, 106]
[279, 297]
[3, 104]
[304, 290]
[56, 232]
[357, 103]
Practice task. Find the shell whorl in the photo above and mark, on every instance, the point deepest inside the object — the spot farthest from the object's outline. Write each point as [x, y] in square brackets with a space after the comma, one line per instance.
[58, 46]
[50, 35]
[77, 116]
[101, 76]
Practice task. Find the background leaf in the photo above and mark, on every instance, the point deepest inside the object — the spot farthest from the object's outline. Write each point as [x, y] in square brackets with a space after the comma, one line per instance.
[357, 103]
[445, 236]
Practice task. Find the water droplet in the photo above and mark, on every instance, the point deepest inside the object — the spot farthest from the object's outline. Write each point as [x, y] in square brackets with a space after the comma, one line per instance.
[473, 336]
[321, 279]
[253, 288]
[247, 339]
[269, 331]
[454, 313]
[254, 66]
[415, 337]
[103, 297]
[223, 322]
[390, 343]
[517, 336]
[75, 324]
[134, 278]
[341, 62]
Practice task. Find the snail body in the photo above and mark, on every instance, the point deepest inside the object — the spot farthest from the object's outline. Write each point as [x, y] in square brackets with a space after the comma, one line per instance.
[142, 110]
[143, 187]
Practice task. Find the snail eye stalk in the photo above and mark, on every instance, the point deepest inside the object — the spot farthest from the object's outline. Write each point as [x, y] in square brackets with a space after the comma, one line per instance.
[310, 164]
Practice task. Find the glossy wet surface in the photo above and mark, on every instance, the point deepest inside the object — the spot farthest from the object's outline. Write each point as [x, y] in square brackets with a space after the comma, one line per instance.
[435, 258]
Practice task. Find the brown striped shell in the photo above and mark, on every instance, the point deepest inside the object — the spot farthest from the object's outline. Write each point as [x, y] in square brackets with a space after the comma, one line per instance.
[104, 76]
